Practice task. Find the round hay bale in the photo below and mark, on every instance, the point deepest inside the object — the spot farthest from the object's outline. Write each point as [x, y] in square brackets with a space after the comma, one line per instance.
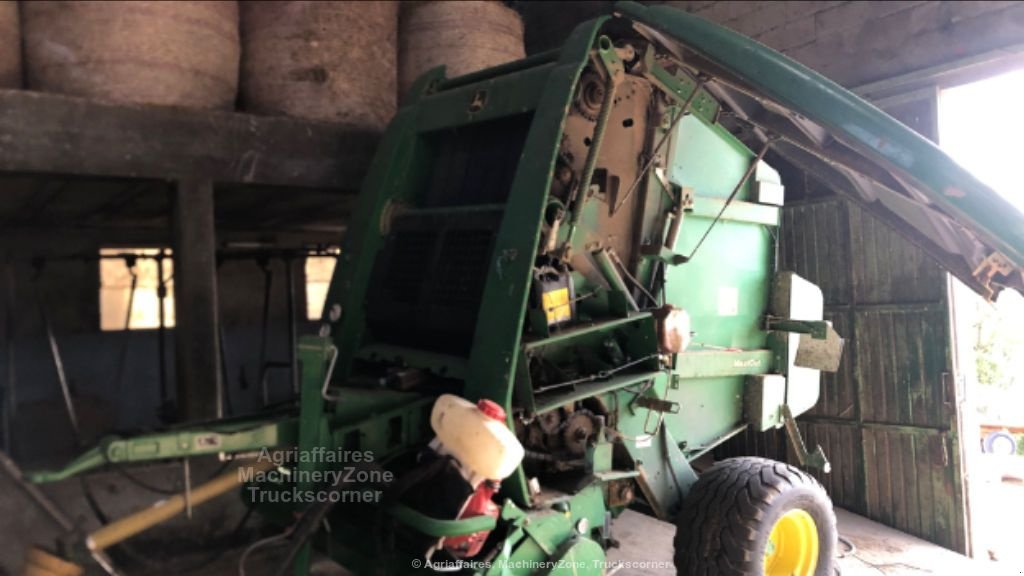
[10, 45]
[464, 36]
[329, 61]
[146, 52]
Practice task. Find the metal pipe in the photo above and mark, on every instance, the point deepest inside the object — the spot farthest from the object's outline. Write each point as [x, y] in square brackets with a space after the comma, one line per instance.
[120, 530]
[614, 256]
[123, 358]
[10, 391]
[131, 298]
[223, 394]
[606, 266]
[293, 331]
[35, 494]
[743, 180]
[161, 334]
[673, 227]
[58, 365]
[268, 279]
[274, 253]
[54, 512]
[226, 405]
[664, 138]
[658, 282]
[223, 254]
[538, 59]
[187, 470]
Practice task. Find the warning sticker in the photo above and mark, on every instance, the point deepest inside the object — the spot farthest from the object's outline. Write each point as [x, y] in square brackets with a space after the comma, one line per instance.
[556, 305]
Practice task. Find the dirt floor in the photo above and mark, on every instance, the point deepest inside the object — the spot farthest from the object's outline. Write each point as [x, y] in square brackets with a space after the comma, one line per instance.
[878, 550]
[646, 550]
[646, 547]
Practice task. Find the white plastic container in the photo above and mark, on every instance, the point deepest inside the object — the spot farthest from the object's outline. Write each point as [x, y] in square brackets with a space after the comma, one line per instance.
[477, 436]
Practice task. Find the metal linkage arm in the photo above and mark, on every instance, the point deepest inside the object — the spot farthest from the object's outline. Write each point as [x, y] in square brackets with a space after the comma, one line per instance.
[231, 437]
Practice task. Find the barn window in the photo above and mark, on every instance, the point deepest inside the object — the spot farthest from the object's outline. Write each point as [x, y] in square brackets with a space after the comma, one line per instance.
[117, 293]
[319, 270]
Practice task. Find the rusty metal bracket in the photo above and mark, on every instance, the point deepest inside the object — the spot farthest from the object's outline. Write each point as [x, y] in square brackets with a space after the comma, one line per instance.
[994, 263]
[816, 459]
[658, 405]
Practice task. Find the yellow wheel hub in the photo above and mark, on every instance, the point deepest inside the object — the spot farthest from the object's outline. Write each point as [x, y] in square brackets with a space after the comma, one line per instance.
[792, 548]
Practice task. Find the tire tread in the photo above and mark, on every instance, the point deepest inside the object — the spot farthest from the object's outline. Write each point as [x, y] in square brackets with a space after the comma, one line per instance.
[717, 528]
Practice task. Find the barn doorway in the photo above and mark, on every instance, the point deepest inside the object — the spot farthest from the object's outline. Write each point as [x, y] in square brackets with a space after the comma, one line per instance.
[979, 126]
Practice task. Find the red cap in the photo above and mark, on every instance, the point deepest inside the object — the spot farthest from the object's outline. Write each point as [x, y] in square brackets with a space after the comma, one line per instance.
[492, 409]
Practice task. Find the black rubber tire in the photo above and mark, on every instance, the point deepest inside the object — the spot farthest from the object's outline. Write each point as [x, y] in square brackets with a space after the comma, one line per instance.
[726, 518]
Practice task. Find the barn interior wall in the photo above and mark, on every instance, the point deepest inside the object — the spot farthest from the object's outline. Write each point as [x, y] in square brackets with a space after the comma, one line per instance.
[885, 418]
[113, 375]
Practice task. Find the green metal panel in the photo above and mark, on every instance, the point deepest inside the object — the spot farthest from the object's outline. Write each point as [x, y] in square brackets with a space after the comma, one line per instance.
[439, 528]
[737, 210]
[508, 281]
[505, 96]
[726, 303]
[493, 361]
[724, 363]
[699, 144]
[724, 287]
[348, 285]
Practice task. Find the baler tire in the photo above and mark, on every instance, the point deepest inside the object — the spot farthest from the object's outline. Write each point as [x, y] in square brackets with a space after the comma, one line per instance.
[725, 522]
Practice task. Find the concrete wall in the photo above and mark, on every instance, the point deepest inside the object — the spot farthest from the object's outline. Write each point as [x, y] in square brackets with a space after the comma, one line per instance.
[851, 42]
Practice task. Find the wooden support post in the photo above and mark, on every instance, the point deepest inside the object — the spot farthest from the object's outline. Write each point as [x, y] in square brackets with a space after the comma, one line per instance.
[195, 302]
